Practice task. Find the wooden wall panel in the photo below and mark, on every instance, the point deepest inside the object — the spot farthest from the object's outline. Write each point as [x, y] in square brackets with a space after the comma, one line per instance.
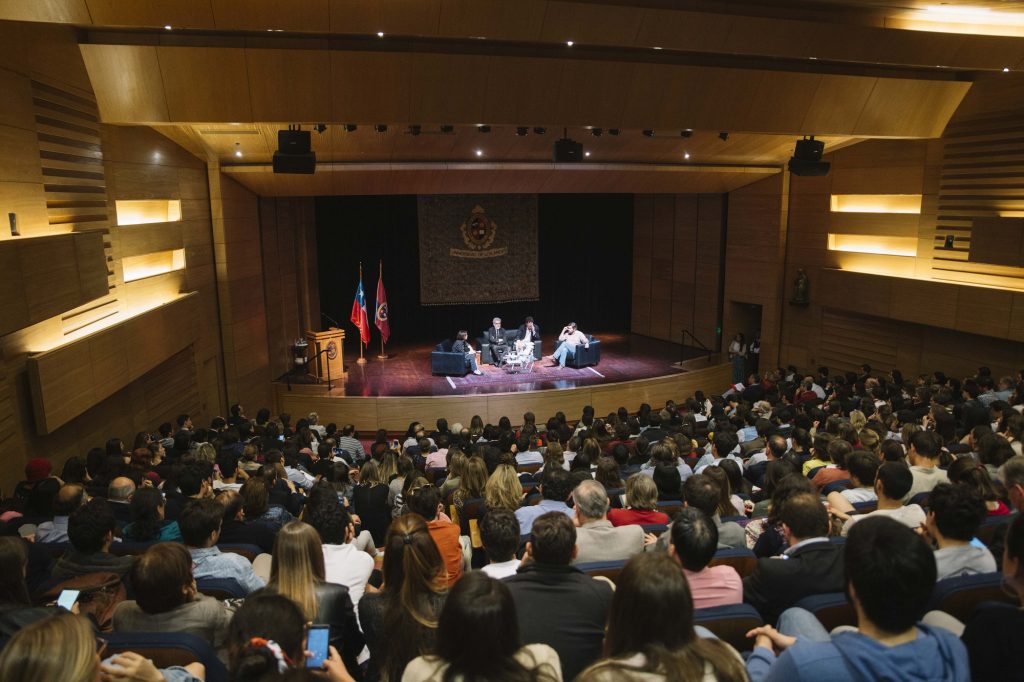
[68, 380]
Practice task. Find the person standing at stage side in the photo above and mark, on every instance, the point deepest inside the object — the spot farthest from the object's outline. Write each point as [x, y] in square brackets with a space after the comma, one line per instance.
[461, 345]
[499, 343]
[738, 358]
[529, 331]
[568, 340]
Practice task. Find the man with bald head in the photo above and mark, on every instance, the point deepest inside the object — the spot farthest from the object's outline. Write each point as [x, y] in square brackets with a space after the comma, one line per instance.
[69, 498]
[119, 494]
[596, 538]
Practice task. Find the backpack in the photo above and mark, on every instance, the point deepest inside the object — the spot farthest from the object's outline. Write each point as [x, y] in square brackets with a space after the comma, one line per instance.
[99, 594]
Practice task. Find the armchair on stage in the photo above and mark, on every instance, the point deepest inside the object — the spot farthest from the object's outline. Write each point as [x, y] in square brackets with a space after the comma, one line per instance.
[586, 356]
[444, 361]
[510, 336]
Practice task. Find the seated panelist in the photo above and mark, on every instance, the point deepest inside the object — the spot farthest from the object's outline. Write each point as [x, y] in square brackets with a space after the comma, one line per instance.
[499, 343]
[568, 340]
[529, 331]
[461, 345]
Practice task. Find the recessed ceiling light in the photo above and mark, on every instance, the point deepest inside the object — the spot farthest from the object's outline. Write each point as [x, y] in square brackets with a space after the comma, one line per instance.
[238, 152]
[569, 43]
[657, 48]
[686, 155]
[167, 27]
[1006, 69]
[380, 34]
[479, 152]
[586, 153]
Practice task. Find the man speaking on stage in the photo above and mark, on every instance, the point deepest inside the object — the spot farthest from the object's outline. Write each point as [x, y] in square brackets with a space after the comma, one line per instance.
[568, 340]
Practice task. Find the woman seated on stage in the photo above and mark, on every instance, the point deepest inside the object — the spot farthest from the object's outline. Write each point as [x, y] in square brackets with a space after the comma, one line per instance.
[461, 345]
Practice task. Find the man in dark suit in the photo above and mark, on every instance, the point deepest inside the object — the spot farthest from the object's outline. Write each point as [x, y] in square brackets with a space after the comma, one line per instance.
[811, 565]
[557, 604]
[529, 331]
[497, 340]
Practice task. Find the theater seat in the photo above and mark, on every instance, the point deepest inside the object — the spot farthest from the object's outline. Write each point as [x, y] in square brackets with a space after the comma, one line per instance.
[961, 595]
[670, 507]
[992, 526]
[167, 649]
[250, 552]
[832, 609]
[603, 569]
[743, 560]
[837, 486]
[730, 623]
[221, 588]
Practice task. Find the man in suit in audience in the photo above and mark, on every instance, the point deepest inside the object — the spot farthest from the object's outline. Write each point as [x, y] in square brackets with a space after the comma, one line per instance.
[811, 565]
[596, 538]
[557, 604]
[497, 340]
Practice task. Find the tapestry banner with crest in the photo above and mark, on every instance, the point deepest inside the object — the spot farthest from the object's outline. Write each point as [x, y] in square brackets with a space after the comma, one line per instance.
[478, 248]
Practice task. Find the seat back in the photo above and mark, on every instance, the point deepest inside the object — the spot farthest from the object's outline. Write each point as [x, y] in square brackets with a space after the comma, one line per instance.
[742, 560]
[920, 498]
[730, 623]
[528, 468]
[250, 552]
[168, 649]
[220, 588]
[832, 609]
[866, 507]
[960, 596]
[992, 526]
[670, 507]
[655, 528]
[812, 472]
[603, 569]
[836, 486]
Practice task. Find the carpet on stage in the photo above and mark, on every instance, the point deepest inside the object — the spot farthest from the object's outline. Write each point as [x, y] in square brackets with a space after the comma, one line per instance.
[493, 376]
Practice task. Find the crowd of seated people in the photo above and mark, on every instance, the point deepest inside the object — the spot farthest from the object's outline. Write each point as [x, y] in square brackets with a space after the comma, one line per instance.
[583, 549]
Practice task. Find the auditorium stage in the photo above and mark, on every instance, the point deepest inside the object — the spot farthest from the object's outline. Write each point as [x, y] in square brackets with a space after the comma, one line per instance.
[391, 393]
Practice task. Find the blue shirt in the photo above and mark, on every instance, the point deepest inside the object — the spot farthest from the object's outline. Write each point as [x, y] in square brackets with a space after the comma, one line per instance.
[210, 562]
[53, 531]
[684, 470]
[527, 515]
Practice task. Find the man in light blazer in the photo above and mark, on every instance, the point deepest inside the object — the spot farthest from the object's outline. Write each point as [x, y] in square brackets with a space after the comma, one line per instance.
[596, 538]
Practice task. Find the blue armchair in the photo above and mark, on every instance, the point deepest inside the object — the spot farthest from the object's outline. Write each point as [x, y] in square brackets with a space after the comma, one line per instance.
[444, 361]
[586, 356]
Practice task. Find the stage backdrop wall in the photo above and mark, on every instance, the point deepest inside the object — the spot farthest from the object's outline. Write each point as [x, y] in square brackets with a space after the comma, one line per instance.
[585, 255]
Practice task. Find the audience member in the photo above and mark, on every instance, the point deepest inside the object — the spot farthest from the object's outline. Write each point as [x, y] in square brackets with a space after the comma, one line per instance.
[119, 494]
[91, 532]
[596, 538]
[234, 530]
[892, 481]
[573, 605]
[923, 457]
[200, 529]
[148, 523]
[499, 533]
[478, 639]
[693, 543]
[641, 503]
[69, 498]
[370, 501]
[889, 577]
[555, 489]
[954, 513]
[701, 492]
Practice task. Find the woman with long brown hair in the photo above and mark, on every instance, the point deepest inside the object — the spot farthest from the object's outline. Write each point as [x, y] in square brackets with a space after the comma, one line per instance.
[297, 571]
[400, 621]
[472, 482]
[650, 634]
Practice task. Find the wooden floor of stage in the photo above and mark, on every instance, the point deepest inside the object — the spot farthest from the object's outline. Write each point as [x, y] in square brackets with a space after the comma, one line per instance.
[624, 357]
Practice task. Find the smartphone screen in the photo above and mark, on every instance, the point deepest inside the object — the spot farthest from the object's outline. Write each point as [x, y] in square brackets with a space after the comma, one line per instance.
[67, 599]
[317, 638]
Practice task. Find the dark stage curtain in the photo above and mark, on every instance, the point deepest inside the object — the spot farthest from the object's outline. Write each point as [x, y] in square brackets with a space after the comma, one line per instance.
[586, 267]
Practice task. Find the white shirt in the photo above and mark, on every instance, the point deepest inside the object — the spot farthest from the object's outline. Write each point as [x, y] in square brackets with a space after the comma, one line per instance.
[911, 516]
[502, 569]
[346, 565]
[577, 338]
[855, 495]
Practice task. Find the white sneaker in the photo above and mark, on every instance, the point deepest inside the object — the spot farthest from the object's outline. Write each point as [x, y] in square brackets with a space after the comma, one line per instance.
[477, 372]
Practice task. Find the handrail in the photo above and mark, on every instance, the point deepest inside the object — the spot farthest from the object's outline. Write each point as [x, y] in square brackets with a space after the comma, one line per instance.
[682, 349]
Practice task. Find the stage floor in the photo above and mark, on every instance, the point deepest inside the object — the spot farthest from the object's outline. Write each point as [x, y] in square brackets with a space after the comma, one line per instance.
[624, 357]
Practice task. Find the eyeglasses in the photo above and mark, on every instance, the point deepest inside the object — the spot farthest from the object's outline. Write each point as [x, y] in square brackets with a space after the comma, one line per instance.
[101, 646]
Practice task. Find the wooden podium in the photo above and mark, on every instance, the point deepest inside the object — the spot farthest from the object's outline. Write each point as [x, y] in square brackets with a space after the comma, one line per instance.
[330, 363]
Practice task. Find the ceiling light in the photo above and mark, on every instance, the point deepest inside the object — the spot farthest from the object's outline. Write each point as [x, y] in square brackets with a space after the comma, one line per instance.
[686, 155]
[539, 130]
[380, 128]
[167, 27]
[648, 133]
[380, 34]
[415, 129]
[521, 131]
[806, 159]
[1006, 69]
[569, 43]
[596, 132]
[688, 132]
[483, 128]
[447, 129]
[479, 152]
[238, 153]
[350, 127]
[586, 153]
[657, 48]
[613, 131]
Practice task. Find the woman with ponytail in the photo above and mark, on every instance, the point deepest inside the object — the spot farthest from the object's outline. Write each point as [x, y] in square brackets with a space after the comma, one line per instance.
[650, 635]
[400, 621]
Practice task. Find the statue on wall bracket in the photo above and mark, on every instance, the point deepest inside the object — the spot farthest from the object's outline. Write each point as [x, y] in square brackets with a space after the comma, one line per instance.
[801, 289]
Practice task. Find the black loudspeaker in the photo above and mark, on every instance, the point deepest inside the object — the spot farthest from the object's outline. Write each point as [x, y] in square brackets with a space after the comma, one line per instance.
[295, 163]
[806, 159]
[294, 141]
[568, 151]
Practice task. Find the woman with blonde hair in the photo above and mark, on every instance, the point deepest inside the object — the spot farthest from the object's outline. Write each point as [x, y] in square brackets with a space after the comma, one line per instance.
[297, 571]
[400, 621]
[472, 482]
[388, 466]
[503, 489]
[641, 503]
[65, 648]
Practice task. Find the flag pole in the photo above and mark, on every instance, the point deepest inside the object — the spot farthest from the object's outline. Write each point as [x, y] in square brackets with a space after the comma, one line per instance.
[380, 275]
[361, 360]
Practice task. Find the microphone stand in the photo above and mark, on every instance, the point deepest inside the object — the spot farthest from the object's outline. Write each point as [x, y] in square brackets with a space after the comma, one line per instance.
[331, 320]
[328, 366]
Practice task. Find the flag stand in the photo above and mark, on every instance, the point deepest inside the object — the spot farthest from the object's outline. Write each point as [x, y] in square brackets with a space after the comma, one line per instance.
[383, 355]
[361, 360]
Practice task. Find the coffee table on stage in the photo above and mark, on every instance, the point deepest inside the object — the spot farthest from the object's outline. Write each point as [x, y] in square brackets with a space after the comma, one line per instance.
[519, 360]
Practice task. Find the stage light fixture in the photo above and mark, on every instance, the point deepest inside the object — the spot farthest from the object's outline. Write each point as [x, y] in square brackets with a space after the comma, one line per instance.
[539, 130]
[294, 154]
[483, 128]
[350, 127]
[596, 132]
[723, 136]
[522, 131]
[320, 128]
[806, 159]
[686, 133]
[648, 133]
[447, 129]
[380, 128]
[686, 155]
[613, 131]
[415, 129]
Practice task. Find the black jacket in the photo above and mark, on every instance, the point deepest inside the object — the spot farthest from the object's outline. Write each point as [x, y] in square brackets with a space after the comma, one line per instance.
[334, 608]
[239, 533]
[522, 332]
[779, 583]
[497, 337]
[564, 608]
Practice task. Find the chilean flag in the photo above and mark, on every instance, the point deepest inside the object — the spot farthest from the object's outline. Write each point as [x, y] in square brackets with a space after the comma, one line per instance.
[359, 317]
